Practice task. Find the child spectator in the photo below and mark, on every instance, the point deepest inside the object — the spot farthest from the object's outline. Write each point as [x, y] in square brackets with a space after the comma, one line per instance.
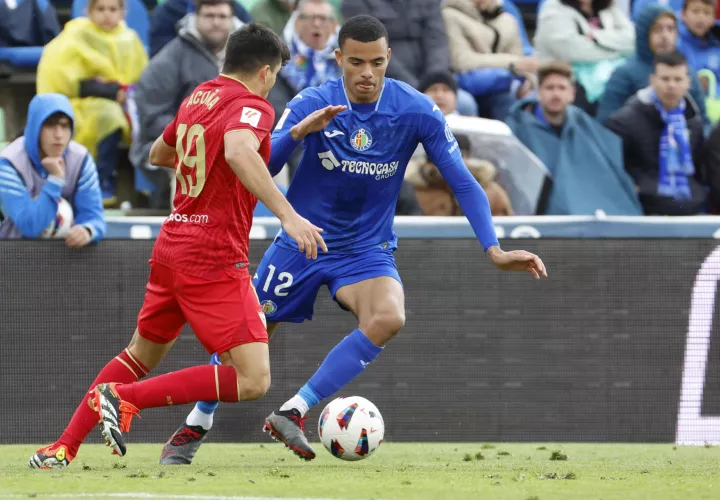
[95, 61]
[700, 44]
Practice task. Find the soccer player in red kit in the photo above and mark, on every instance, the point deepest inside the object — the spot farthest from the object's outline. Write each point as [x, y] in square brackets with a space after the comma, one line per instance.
[219, 144]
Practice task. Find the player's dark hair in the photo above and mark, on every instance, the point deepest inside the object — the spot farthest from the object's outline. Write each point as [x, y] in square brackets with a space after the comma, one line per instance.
[363, 29]
[672, 59]
[252, 47]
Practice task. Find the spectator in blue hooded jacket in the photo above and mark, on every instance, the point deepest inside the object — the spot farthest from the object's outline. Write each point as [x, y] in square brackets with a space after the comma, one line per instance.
[44, 165]
[639, 5]
[700, 43]
[656, 33]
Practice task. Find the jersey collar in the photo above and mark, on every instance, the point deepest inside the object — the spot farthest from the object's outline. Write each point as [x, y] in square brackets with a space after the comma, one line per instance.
[235, 80]
[377, 103]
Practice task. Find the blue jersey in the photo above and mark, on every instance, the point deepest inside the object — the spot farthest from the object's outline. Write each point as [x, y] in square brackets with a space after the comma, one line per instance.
[351, 172]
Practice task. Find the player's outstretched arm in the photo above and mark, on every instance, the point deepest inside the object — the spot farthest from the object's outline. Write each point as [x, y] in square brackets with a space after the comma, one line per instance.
[241, 153]
[162, 155]
[443, 151]
[315, 121]
[474, 203]
[293, 128]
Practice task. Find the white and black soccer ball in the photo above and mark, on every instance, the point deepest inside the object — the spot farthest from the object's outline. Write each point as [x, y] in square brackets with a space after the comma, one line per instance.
[351, 428]
[63, 221]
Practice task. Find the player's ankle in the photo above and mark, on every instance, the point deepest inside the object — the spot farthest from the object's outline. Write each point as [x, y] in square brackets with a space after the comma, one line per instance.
[199, 417]
[70, 442]
[296, 403]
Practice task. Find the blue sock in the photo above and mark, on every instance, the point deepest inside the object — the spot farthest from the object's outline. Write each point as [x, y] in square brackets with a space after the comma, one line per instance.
[346, 361]
[209, 407]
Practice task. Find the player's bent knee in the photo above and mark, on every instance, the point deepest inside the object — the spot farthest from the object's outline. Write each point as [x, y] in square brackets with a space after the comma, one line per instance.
[383, 326]
[253, 387]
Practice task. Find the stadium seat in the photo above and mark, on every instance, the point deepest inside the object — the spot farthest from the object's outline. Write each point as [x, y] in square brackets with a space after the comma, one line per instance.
[136, 17]
[21, 57]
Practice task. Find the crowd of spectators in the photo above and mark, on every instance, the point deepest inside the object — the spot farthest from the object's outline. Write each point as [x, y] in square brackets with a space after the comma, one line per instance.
[618, 99]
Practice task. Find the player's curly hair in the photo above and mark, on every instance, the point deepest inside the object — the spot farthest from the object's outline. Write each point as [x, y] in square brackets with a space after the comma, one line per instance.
[362, 28]
[252, 47]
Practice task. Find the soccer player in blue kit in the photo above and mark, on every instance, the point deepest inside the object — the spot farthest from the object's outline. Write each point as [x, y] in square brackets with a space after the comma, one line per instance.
[358, 134]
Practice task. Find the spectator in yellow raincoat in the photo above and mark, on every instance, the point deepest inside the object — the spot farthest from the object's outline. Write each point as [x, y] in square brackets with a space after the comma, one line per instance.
[94, 61]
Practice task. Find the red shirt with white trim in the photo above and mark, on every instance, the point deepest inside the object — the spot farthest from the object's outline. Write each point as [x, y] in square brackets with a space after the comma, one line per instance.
[209, 228]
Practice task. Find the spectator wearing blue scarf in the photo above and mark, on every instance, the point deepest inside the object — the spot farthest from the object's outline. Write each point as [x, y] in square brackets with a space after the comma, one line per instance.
[311, 35]
[662, 132]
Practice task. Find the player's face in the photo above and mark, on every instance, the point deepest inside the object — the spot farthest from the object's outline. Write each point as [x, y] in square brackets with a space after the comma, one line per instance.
[268, 75]
[364, 66]
[55, 135]
[214, 23]
[555, 94]
[106, 14]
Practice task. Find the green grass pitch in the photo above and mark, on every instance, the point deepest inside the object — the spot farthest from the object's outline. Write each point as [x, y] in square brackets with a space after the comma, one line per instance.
[396, 471]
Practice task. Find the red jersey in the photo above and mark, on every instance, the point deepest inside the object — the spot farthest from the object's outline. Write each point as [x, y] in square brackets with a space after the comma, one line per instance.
[209, 227]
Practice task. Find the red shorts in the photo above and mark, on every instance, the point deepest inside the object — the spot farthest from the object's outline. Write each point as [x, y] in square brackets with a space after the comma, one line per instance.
[223, 313]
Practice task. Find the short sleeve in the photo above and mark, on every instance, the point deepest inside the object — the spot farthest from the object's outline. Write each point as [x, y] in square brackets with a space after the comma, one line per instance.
[255, 115]
[169, 135]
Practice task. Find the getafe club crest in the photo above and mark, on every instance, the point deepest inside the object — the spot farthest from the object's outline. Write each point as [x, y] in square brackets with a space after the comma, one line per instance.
[269, 307]
[361, 140]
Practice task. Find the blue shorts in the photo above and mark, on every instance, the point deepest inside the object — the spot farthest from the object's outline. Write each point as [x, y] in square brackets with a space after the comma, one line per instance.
[287, 282]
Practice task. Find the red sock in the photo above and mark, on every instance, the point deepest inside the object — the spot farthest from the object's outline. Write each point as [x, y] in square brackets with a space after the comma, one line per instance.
[199, 383]
[123, 368]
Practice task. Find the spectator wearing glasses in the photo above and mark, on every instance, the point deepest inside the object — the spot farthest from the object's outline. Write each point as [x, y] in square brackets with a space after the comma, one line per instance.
[311, 37]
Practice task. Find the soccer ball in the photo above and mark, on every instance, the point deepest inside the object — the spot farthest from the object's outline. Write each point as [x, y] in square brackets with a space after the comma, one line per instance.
[351, 428]
[60, 226]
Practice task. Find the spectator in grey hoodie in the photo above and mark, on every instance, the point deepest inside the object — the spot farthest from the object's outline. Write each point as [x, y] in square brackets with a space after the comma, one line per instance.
[194, 56]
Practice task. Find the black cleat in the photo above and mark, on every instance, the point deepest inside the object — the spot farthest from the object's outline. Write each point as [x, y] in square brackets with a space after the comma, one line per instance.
[182, 446]
[115, 416]
[288, 428]
[51, 458]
